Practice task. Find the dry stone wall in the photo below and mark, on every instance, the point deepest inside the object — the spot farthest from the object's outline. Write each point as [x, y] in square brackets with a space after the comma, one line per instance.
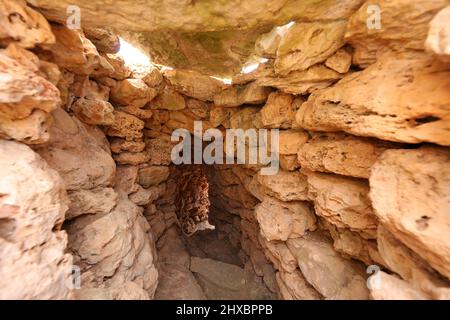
[87, 178]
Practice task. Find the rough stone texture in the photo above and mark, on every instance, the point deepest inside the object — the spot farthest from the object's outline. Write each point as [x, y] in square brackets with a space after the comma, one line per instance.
[341, 153]
[438, 40]
[153, 175]
[176, 281]
[95, 112]
[343, 202]
[410, 266]
[281, 221]
[83, 58]
[69, 144]
[400, 98]
[286, 186]
[419, 221]
[26, 97]
[331, 275]
[390, 287]
[194, 84]
[114, 248]
[168, 99]
[32, 207]
[22, 25]
[220, 281]
[291, 140]
[132, 92]
[222, 34]
[239, 95]
[301, 82]
[340, 61]
[104, 40]
[403, 25]
[126, 126]
[306, 44]
[293, 286]
[100, 200]
[279, 111]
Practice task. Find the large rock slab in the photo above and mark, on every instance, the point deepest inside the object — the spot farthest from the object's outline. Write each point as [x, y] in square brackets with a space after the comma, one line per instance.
[438, 40]
[331, 275]
[390, 25]
[23, 25]
[34, 264]
[282, 221]
[305, 44]
[341, 153]
[114, 248]
[410, 195]
[70, 142]
[343, 202]
[401, 98]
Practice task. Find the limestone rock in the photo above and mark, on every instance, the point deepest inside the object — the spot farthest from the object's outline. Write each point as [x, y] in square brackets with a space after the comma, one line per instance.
[25, 94]
[419, 221]
[341, 153]
[286, 186]
[73, 51]
[128, 291]
[306, 44]
[31, 130]
[23, 25]
[343, 202]
[159, 150]
[132, 92]
[194, 84]
[32, 210]
[438, 40]
[168, 99]
[279, 111]
[282, 221]
[126, 126]
[95, 112]
[353, 245]
[133, 158]
[153, 78]
[239, 95]
[301, 82]
[330, 274]
[120, 70]
[119, 145]
[297, 288]
[66, 152]
[114, 248]
[390, 287]
[410, 266]
[400, 98]
[126, 179]
[340, 61]
[291, 140]
[94, 201]
[153, 175]
[220, 280]
[104, 39]
[391, 25]
[142, 196]
[200, 109]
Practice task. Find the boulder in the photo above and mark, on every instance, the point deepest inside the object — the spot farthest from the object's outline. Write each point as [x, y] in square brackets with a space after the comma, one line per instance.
[401, 98]
[419, 221]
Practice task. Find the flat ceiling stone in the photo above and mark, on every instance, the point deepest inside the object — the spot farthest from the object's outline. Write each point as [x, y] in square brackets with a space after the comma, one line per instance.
[214, 37]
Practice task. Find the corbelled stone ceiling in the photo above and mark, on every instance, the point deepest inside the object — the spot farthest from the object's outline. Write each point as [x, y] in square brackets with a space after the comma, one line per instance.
[210, 36]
